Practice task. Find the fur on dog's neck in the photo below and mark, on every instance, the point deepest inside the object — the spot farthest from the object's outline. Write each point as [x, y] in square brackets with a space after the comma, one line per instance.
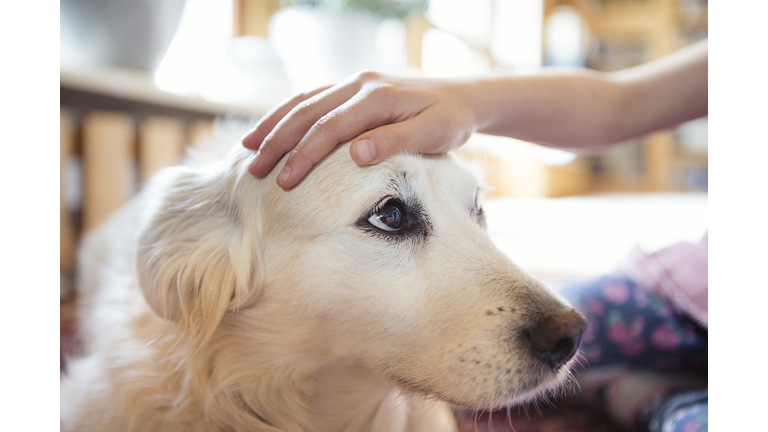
[342, 396]
[270, 387]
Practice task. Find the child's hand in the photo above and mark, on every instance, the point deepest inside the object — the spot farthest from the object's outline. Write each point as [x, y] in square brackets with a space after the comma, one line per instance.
[570, 109]
[400, 113]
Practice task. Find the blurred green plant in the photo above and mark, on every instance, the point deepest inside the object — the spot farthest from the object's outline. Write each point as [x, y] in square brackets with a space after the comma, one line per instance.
[396, 8]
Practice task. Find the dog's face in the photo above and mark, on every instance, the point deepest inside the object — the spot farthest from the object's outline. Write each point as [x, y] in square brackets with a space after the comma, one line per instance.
[389, 265]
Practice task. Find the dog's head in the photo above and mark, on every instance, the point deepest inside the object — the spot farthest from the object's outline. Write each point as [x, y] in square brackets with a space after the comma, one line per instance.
[389, 265]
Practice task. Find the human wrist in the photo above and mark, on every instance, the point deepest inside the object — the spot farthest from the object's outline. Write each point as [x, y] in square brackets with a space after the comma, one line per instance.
[471, 96]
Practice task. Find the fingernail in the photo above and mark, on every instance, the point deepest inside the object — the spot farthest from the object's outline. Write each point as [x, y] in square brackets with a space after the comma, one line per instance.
[254, 161]
[365, 150]
[284, 174]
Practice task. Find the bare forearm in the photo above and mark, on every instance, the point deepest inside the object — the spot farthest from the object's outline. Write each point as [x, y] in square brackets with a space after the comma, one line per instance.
[388, 114]
[581, 108]
[665, 92]
[574, 108]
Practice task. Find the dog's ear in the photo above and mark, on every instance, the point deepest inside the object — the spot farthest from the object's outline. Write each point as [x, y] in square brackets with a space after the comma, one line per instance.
[195, 261]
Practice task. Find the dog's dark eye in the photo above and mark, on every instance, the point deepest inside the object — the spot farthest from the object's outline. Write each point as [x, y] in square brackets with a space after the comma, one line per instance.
[388, 218]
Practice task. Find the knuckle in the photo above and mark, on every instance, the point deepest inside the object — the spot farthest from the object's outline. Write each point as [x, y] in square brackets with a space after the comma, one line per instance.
[268, 139]
[268, 144]
[299, 157]
[303, 96]
[302, 109]
[299, 98]
[382, 91]
[326, 125]
[295, 154]
[368, 75]
[303, 105]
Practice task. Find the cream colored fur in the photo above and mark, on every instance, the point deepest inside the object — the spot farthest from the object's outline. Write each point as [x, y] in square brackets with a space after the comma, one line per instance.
[215, 301]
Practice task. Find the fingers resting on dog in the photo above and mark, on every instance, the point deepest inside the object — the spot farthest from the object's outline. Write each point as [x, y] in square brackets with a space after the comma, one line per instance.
[400, 114]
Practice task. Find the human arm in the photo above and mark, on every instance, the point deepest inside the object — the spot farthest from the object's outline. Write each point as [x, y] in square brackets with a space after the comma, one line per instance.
[571, 109]
[587, 109]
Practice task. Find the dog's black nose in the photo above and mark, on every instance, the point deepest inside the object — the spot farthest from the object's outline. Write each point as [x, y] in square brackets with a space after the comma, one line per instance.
[556, 338]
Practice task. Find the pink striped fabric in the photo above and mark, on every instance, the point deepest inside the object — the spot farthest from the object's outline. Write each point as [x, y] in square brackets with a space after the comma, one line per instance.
[678, 273]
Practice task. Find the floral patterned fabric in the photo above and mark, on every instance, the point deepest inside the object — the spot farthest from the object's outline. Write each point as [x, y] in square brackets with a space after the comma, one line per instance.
[639, 351]
[693, 418]
[629, 324]
[640, 355]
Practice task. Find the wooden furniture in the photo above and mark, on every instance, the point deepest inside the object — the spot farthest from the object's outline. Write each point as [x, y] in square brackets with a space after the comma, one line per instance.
[116, 130]
[107, 149]
[627, 33]
[251, 18]
[67, 230]
[514, 168]
[624, 33]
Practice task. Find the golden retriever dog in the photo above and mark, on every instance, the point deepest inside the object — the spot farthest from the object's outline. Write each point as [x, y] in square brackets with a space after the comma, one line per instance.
[364, 299]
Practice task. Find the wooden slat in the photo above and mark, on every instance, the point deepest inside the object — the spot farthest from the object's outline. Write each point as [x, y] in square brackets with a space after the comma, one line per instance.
[107, 164]
[237, 18]
[571, 179]
[160, 144]
[415, 25]
[254, 16]
[659, 156]
[67, 234]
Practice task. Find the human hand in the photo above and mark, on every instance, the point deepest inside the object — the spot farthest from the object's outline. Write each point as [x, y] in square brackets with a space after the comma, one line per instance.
[399, 113]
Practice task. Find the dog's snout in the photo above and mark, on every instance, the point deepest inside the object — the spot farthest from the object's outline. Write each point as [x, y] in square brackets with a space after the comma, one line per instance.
[556, 338]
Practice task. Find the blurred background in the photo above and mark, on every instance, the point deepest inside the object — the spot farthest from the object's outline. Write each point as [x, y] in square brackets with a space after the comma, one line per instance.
[141, 80]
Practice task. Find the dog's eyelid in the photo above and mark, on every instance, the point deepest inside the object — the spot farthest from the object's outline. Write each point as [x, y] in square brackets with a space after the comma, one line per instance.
[384, 201]
[482, 189]
[477, 204]
[477, 211]
[414, 221]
